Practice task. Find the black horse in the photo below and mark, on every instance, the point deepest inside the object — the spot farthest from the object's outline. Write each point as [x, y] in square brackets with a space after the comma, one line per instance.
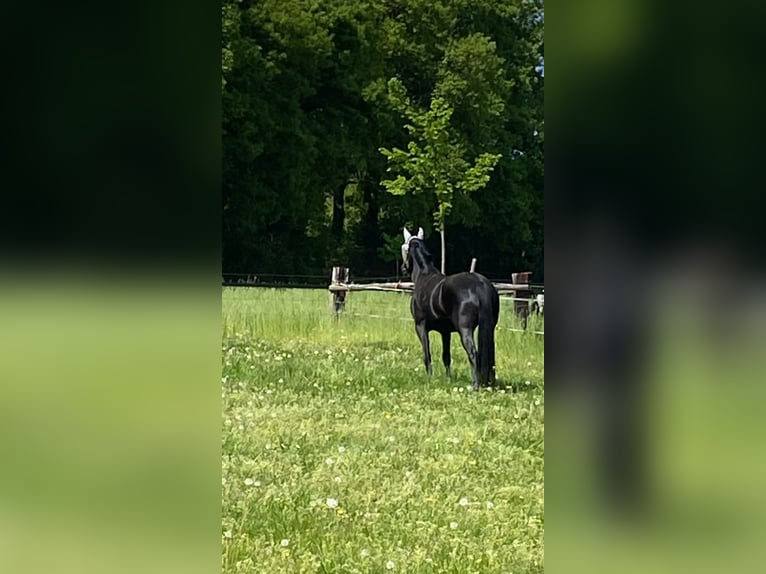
[455, 303]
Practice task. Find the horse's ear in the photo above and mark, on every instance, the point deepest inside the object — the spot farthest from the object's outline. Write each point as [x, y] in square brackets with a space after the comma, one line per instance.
[407, 235]
[420, 233]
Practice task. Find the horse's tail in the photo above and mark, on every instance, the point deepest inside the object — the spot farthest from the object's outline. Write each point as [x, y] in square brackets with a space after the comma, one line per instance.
[488, 313]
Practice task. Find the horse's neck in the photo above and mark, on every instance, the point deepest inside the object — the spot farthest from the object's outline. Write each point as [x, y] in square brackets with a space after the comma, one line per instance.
[422, 264]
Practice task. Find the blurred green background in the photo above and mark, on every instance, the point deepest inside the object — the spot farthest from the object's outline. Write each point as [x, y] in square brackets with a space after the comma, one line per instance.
[110, 421]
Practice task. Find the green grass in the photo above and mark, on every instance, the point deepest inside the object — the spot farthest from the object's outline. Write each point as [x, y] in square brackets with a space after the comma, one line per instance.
[341, 455]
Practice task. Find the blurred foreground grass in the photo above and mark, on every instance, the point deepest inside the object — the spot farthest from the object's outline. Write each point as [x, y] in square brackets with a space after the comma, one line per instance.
[109, 418]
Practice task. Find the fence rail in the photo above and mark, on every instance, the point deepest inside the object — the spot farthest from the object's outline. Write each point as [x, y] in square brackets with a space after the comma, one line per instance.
[313, 281]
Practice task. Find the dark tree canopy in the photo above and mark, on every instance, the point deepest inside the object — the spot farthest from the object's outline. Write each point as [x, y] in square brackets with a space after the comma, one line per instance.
[306, 110]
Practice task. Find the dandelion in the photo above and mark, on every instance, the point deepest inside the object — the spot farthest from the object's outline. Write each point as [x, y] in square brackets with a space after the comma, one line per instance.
[453, 525]
[332, 503]
[227, 534]
[341, 449]
[390, 565]
[285, 543]
[340, 511]
[463, 501]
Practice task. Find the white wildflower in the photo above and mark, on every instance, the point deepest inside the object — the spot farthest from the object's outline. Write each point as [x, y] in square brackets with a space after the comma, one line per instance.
[249, 481]
[463, 501]
[227, 534]
[453, 525]
[332, 503]
[390, 565]
[285, 543]
[341, 449]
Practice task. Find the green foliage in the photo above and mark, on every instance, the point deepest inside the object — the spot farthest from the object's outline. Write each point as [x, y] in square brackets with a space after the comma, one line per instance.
[434, 159]
[307, 105]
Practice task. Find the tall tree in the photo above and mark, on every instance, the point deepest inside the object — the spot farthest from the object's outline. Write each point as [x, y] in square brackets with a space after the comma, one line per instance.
[434, 160]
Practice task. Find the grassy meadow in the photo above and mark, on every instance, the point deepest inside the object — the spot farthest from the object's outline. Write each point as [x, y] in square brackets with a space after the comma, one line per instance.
[339, 454]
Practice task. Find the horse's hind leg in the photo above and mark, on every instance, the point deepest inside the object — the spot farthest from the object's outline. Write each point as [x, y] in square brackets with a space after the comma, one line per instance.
[492, 362]
[466, 337]
[423, 336]
[446, 352]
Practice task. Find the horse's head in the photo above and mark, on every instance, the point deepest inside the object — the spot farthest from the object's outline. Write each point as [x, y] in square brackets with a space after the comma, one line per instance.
[406, 248]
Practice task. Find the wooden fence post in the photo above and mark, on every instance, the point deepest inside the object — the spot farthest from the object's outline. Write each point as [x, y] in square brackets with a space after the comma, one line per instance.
[338, 276]
[521, 307]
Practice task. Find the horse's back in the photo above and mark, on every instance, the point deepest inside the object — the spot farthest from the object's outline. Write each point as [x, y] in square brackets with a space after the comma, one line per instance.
[468, 282]
[470, 292]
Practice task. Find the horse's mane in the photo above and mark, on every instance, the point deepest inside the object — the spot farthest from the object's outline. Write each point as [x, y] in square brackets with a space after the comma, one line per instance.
[421, 254]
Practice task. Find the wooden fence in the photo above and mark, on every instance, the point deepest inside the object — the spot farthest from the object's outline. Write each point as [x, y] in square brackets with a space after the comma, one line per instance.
[520, 291]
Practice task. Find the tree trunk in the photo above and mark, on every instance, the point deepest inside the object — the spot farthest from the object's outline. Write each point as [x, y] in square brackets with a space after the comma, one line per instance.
[444, 254]
[370, 230]
[339, 210]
